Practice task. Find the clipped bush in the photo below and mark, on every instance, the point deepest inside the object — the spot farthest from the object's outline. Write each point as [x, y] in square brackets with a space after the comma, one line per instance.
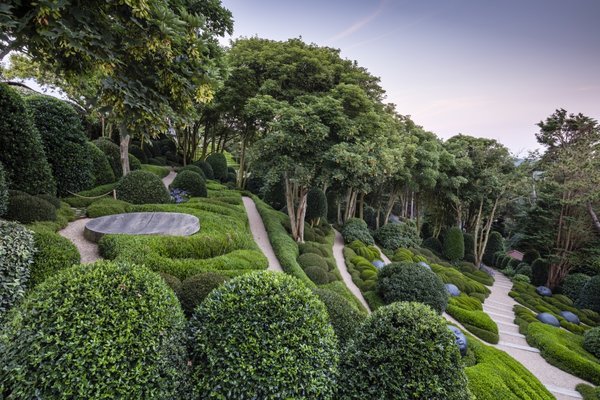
[524, 269]
[172, 281]
[469, 247]
[54, 253]
[27, 209]
[316, 206]
[539, 272]
[521, 278]
[573, 284]
[141, 187]
[434, 244]
[50, 199]
[17, 250]
[3, 192]
[101, 169]
[494, 245]
[107, 206]
[134, 163]
[356, 229]
[530, 256]
[112, 153]
[194, 290]
[591, 341]
[140, 354]
[411, 282]
[403, 351]
[318, 275]
[454, 244]
[194, 168]
[344, 317]
[393, 236]
[218, 163]
[192, 182]
[279, 342]
[590, 295]
[206, 168]
[138, 153]
[312, 260]
[22, 154]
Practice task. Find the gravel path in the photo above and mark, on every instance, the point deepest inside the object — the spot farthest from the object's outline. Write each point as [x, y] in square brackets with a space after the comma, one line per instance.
[74, 232]
[167, 180]
[260, 234]
[384, 258]
[338, 254]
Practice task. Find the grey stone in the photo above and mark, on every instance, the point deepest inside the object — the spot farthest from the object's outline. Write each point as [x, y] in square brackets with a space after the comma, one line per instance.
[424, 265]
[378, 264]
[543, 291]
[461, 340]
[570, 317]
[452, 290]
[549, 319]
[142, 223]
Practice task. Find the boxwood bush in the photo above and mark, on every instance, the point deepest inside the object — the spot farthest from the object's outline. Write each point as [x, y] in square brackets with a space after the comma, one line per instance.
[107, 206]
[27, 209]
[530, 256]
[573, 284]
[218, 163]
[3, 192]
[403, 351]
[393, 236]
[105, 330]
[318, 275]
[194, 289]
[454, 244]
[192, 182]
[591, 341]
[54, 253]
[590, 295]
[206, 168]
[411, 282]
[316, 206]
[193, 168]
[344, 317]
[539, 272]
[434, 244]
[494, 245]
[141, 187]
[17, 250]
[278, 342]
[356, 229]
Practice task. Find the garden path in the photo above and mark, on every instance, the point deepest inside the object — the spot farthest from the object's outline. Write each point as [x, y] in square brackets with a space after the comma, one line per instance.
[167, 180]
[499, 306]
[74, 232]
[338, 255]
[257, 227]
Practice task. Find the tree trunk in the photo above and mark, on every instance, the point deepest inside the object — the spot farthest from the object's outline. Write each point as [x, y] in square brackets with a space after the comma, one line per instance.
[594, 217]
[390, 205]
[124, 147]
[240, 177]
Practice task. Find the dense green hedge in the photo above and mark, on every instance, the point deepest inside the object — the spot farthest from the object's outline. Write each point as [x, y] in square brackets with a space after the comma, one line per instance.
[193, 168]
[278, 342]
[573, 284]
[218, 163]
[99, 331]
[27, 209]
[469, 312]
[394, 235]
[3, 192]
[589, 296]
[345, 318]
[17, 249]
[159, 171]
[454, 244]
[357, 229]
[194, 290]
[591, 341]
[113, 155]
[54, 253]
[434, 244]
[403, 351]
[142, 187]
[539, 272]
[107, 206]
[494, 245]
[316, 206]
[192, 182]
[206, 168]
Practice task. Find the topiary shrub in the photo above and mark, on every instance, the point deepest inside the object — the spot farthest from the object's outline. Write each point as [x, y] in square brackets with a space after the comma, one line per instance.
[521, 278]
[393, 236]
[54, 253]
[311, 259]
[194, 290]
[141, 187]
[17, 250]
[469, 247]
[356, 229]
[27, 209]
[64, 142]
[134, 163]
[590, 295]
[101, 169]
[591, 341]
[218, 163]
[505, 261]
[3, 192]
[107, 206]
[316, 206]
[539, 272]
[344, 317]
[434, 244]
[454, 244]
[278, 342]
[138, 153]
[192, 182]
[101, 331]
[494, 245]
[55, 201]
[206, 168]
[22, 153]
[318, 275]
[172, 281]
[411, 282]
[524, 269]
[194, 168]
[573, 284]
[530, 256]
[112, 153]
[403, 351]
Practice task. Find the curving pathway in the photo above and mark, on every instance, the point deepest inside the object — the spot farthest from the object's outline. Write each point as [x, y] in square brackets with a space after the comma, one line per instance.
[338, 255]
[257, 227]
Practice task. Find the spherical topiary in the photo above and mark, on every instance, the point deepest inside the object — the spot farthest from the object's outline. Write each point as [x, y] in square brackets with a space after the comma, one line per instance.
[50, 199]
[3, 192]
[190, 181]
[494, 244]
[434, 244]
[521, 278]
[591, 341]
[524, 269]
[590, 295]
[194, 168]
[17, 249]
[454, 244]
[393, 236]
[134, 163]
[411, 282]
[218, 163]
[530, 256]
[573, 284]
[231, 177]
[318, 275]
[54, 253]
[27, 209]
[311, 259]
[100, 331]
[539, 272]
[263, 335]
[64, 141]
[112, 153]
[403, 351]
[356, 229]
[22, 150]
[101, 169]
[316, 205]
[206, 168]
[469, 247]
[141, 187]
[195, 289]
[138, 153]
[344, 317]
[172, 281]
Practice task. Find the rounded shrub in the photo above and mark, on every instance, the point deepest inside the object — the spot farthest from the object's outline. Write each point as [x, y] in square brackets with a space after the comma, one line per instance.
[55, 201]
[101, 169]
[411, 282]
[17, 250]
[278, 341]
[3, 192]
[590, 295]
[434, 244]
[344, 317]
[539, 272]
[530, 256]
[141, 187]
[573, 284]
[494, 245]
[469, 247]
[54, 253]
[193, 168]
[318, 275]
[64, 142]
[134, 163]
[356, 229]
[206, 168]
[403, 351]
[393, 236]
[172, 281]
[231, 177]
[218, 163]
[524, 269]
[22, 150]
[316, 206]
[194, 289]
[100, 331]
[112, 153]
[27, 209]
[192, 182]
[138, 153]
[591, 341]
[312, 260]
[454, 244]
[521, 278]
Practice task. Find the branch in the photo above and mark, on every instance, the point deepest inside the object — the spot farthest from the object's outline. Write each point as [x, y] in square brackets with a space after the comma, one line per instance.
[595, 220]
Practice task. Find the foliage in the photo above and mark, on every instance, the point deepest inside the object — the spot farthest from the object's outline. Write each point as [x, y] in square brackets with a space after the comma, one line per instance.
[494, 245]
[22, 154]
[316, 206]
[206, 169]
[107, 206]
[411, 282]
[415, 355]
[392, 236]
[539, 272]
[591, 341]
[3, 192]
[433, 244]
[27, 209]
[218, 163]
[573, 284]
[17, 249]
[318, 275]
[172, 281]
[157, 170]
[193, 168]
[356, 229]
[469, 312]
[530, 256]
[194, 290]
[87, 197]
[469, 247]
[588, 392]
[54, 253]
[112, 153]
[64, 319]
[141, 187]
[192, 182]
[138, 153]
[524, 269]
[279, 342]
[454, 245]
[463, 280]
[344, 317]
[310, 259]
[521, 278]
[590, 295]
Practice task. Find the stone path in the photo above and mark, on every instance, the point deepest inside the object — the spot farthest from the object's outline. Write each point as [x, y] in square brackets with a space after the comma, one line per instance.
[167, 180]
[499, 306]
[260, 234]
[383, 256]
[74, 232]
[338, 255]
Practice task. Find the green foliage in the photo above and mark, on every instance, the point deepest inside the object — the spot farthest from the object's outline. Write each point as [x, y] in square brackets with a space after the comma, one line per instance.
[392, 236]
[316, 205]
[494, 245]
[539, 272]
[433, 244]
[218, 163]
[107, 206]
[454, 244]
[524, 269]
[138, 153]
[3, 192]
[591, 341]
[159, 171]
[194, 289]
[206, 168]
[134, 163]
[521, 278]
[588, 392]
[279, 342]
[311, 259]
[318, 275]
[50, 199]
[590, 295]
[17, 249]
[463, 282]
[414, 352]
[356, 229]
[141, 187]
[140, 354]
[469, 247]
[468, 311]
[530, 256]
[411, 282]
[344, 316]
[27, 209]
[193, 168]
[22, 154]
[172, 281]
[192, 182]
[369, 252]
[54, 253]
[112, 153]
[87, 197]
[573, 284]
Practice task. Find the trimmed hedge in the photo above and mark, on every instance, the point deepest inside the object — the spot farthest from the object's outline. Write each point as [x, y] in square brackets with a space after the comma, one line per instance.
[454, 244]
[356, 229]
[530, 256]
[539, 272]
[318, 275]
[206, 168]
[345, 318]
[54, 253]
[27, 209]
[141, 187]
[194, 290]
[278, 342]
[311, 259]
[403, 351]
[193, 168]
[494, 245]
[393, 236]
[469, 247]
[468, 311]
[316, 206]
[590, 295]
[17, 249]
[591, 341]
[218, 163]
[192, 182]
[107, 206]
[3, 192]
[573, 284]
[434, 244]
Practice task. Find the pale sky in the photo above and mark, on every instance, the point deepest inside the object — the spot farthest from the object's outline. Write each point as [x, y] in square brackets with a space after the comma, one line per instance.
[479, 67]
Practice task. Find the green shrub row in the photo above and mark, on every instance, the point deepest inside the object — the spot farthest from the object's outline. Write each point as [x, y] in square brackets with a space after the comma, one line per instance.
[356, 229]
[157, 170]
[473, 319]
[395, 235]
[54, 253]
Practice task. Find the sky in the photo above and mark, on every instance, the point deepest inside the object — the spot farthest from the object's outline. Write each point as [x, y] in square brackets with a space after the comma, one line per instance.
[479, 67]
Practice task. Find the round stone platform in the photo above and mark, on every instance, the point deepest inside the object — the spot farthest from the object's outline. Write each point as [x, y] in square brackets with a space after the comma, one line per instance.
[142, 223]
